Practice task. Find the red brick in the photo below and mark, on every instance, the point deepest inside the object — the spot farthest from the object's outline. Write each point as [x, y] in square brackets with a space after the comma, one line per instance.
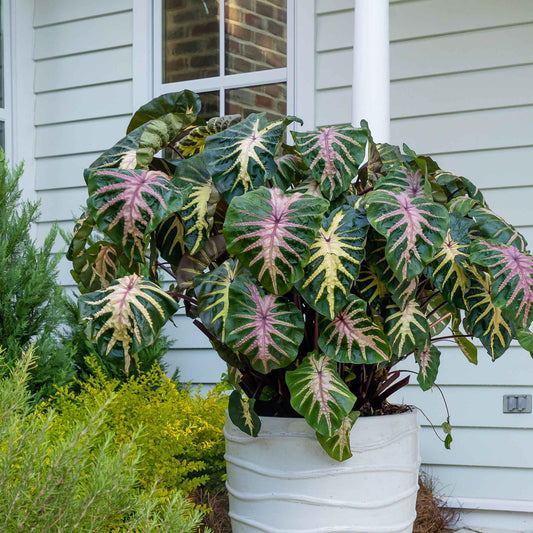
[264, 101]
[205, 29]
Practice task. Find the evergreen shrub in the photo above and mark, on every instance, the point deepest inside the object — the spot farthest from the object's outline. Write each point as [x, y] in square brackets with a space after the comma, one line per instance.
[31, 299]
[179, 431]
[85, 480]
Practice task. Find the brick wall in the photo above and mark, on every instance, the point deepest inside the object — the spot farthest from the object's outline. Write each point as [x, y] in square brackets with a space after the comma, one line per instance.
[255, 39]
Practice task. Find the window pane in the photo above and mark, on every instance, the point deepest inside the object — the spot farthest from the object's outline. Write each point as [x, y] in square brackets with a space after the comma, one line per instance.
[3, 135]
[269, 98]
[190, 39]
[256, 35]
[210, 104]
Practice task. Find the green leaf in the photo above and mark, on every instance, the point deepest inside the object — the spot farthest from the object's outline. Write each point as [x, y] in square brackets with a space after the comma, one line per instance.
[338, 446]
[271, 232]
[122, 155]
[495, 228]
[265, 328]
[128, 205]
[183, 102]
[447, 428]
[333, 155]
[194, 142]
[126, 317]
[414, 228]
[319, 394]
[352, 337]
[241, 158]
[335, 261]
[212, 292]
[406, 328]
[484, 320]
[428, 359]
[170, 239]
[456, 186]
[525, 338]
[200, 200]
[512, 272]
[241, 413]
[467, 347]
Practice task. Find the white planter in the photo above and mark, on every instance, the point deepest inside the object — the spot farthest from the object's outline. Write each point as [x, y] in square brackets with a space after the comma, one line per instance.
[283, 482]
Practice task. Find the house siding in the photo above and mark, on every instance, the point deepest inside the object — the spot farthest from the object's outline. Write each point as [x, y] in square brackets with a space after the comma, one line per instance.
[461, 90]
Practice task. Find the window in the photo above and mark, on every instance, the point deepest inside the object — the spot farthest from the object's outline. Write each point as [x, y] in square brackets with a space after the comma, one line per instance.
[3, 69]
[234, 53]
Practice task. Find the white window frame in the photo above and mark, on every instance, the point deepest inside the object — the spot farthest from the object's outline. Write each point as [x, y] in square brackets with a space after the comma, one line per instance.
[6, 111]
[299, 73]
[224, 81]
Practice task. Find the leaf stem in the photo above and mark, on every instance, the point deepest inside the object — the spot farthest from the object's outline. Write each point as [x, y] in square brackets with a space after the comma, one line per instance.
[450, 337]
[178, 295]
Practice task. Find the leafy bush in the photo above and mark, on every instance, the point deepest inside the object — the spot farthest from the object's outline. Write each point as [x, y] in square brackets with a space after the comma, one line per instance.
[83, 481]
[180, 438]
[31, 299]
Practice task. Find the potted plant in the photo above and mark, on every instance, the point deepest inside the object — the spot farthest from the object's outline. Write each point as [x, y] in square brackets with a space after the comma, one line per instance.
[314, 272]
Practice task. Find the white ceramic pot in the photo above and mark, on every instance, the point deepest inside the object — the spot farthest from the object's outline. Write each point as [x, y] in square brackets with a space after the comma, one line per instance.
[283, 482]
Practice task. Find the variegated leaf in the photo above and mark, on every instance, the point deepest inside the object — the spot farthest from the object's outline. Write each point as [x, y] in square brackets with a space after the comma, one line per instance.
[183, 102]
[369, 284]
[448, 267]
[333, 155]
[461, 205]
[241, 158]
[319, 394]
[375, 257]
[309, 186]
[494, 227]
[335, 261]
[265, 328]
[428, 359]
[212, 292]
[414, 227]
[194, 142]
[400, 178]
[170, 239]
[82, 269]
[352, 337]
[406, 328]
[122, 155]
[128, 205]
[338, 447]
[484, 320]
[270, 232]
[126, 316]
[199, 202]
[241, 413]
[290, 170]
[158, 133]
[404, 291]
[438, 311]
[512, 272]
[193, 265]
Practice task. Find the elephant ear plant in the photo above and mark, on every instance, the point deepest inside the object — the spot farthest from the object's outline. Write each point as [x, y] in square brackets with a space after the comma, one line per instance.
[314, 268]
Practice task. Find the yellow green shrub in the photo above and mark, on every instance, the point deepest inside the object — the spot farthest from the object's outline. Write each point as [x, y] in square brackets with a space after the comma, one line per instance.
[181, 441]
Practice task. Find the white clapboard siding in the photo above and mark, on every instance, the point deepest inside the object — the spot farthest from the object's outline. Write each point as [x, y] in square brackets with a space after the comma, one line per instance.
[462, 91]
[82, 103]
[83, 70]
[53, 13]
[63, 171]
[79, 137]
[83, 36]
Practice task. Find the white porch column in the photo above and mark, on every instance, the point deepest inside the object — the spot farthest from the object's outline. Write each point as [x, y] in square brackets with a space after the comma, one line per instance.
[371, 79]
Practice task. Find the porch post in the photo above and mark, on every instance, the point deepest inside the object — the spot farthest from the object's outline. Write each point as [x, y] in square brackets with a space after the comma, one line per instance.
[370, 87]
